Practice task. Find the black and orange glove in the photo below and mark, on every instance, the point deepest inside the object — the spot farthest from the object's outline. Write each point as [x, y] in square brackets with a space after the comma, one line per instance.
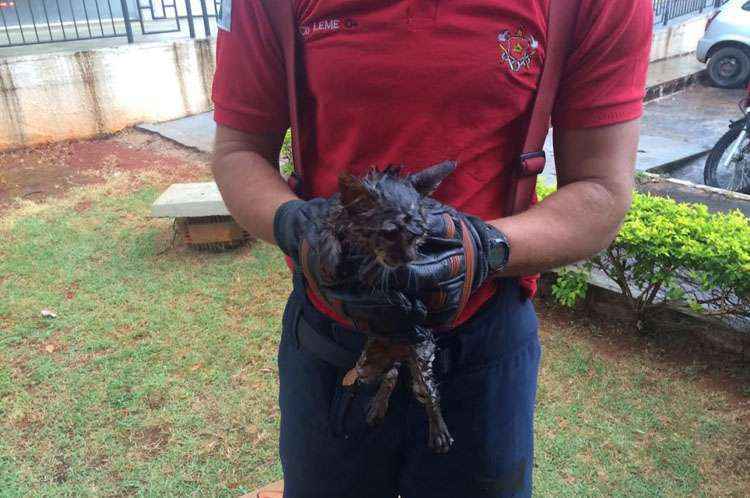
[296, 220]
[459, 255]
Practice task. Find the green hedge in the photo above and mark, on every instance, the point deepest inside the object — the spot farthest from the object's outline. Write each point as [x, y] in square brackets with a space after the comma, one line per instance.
[670, 252]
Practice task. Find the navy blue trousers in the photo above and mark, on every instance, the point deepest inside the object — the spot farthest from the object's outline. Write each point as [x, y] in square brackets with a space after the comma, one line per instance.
[487, 384]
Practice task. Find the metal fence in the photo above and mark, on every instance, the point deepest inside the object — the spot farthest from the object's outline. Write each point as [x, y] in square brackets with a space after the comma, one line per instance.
[666, 10]
[30, 22]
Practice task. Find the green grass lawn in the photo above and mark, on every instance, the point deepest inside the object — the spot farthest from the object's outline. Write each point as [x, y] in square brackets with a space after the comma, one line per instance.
[158, 376]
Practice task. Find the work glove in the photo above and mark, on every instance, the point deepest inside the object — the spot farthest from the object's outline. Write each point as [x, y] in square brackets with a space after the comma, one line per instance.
[296, 220]
[453, 263]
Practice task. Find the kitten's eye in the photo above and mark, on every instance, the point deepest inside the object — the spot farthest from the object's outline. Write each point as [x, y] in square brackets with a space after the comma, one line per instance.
[390, 231]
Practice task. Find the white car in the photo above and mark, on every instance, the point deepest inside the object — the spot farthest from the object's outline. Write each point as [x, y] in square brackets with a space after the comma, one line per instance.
[726, 45]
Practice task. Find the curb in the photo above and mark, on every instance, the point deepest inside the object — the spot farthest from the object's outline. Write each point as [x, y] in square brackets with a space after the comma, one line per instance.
[669, 167]
[716, 199]
[673, 86]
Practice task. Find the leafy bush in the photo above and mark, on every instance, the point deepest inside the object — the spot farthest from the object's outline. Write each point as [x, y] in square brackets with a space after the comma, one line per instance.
[670, 252]
[286, 159]
[571, 285]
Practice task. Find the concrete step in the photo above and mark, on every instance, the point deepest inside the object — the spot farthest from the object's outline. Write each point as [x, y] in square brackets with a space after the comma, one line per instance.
[188, 200]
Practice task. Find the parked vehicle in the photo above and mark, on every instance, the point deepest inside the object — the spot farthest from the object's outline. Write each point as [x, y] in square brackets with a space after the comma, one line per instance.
[726, 45]
[728, 164]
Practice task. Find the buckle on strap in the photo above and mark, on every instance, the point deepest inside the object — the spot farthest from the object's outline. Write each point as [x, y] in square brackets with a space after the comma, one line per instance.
[532, 163]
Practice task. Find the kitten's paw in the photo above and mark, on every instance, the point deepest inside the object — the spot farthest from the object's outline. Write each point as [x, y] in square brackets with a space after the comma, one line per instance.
[440, 440]
[376, 412]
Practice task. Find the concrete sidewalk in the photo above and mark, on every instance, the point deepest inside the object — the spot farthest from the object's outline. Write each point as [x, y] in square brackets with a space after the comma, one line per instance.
[196, 132]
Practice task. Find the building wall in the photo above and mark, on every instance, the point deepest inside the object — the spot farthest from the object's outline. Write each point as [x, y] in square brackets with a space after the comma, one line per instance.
[678, 39]
[62, 96]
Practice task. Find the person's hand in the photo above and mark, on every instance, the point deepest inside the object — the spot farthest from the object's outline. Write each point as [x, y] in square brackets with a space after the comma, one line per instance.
[458, 257]
[298, 220]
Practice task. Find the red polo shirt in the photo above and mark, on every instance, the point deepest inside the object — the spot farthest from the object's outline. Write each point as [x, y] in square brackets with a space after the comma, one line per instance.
[417, 82]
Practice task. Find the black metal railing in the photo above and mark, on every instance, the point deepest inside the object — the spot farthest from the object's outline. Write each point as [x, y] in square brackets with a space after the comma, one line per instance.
[666, 10]
[31, 22]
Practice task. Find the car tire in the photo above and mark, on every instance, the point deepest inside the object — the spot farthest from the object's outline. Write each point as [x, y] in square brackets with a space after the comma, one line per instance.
[729, 67]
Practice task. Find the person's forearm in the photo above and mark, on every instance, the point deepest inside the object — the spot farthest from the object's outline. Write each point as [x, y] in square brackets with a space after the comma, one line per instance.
[595, 169]
[251, 186]
[571, 225]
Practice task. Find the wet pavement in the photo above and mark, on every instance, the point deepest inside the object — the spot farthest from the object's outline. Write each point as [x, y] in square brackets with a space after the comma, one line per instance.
[691, 121]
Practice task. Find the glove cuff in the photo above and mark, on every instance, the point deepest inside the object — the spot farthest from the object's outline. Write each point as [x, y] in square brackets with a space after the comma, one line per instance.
[284, 229]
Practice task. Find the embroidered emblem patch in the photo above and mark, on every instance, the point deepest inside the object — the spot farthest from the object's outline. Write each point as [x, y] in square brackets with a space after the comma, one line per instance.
[517, 49]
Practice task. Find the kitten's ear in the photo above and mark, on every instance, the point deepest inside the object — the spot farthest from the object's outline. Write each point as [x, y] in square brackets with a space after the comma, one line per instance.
[427, 181]
[353, 190]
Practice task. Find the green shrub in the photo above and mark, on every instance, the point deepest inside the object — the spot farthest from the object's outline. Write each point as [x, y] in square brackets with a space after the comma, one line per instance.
[286, 158]
[670, 252]
[571, 285]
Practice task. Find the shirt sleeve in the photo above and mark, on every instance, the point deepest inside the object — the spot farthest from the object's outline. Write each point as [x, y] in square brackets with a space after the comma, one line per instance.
[249, 87]
[605, 78]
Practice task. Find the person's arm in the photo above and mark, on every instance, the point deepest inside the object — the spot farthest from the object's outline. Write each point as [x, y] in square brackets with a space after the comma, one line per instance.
[595, 168]
[252, 115]
[246, 170]
[596, 123]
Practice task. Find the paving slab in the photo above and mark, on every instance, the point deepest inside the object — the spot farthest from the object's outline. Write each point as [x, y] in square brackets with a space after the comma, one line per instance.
[673, 68]
[187, 200]
[195, 131]
[680, 129]
[656, 153]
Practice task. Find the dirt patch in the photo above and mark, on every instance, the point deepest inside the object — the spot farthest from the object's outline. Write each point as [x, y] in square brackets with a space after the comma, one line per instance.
[83, 206]
[51, 170]
[153, 440]
[118, 156]
[61, 470]
[51, 346]
[72, 290]
[673, 353]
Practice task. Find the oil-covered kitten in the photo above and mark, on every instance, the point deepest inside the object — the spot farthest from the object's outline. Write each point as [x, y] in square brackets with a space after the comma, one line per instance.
[379, 225]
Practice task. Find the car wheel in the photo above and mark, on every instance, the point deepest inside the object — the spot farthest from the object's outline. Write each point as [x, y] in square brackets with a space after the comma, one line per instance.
[729, 67]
